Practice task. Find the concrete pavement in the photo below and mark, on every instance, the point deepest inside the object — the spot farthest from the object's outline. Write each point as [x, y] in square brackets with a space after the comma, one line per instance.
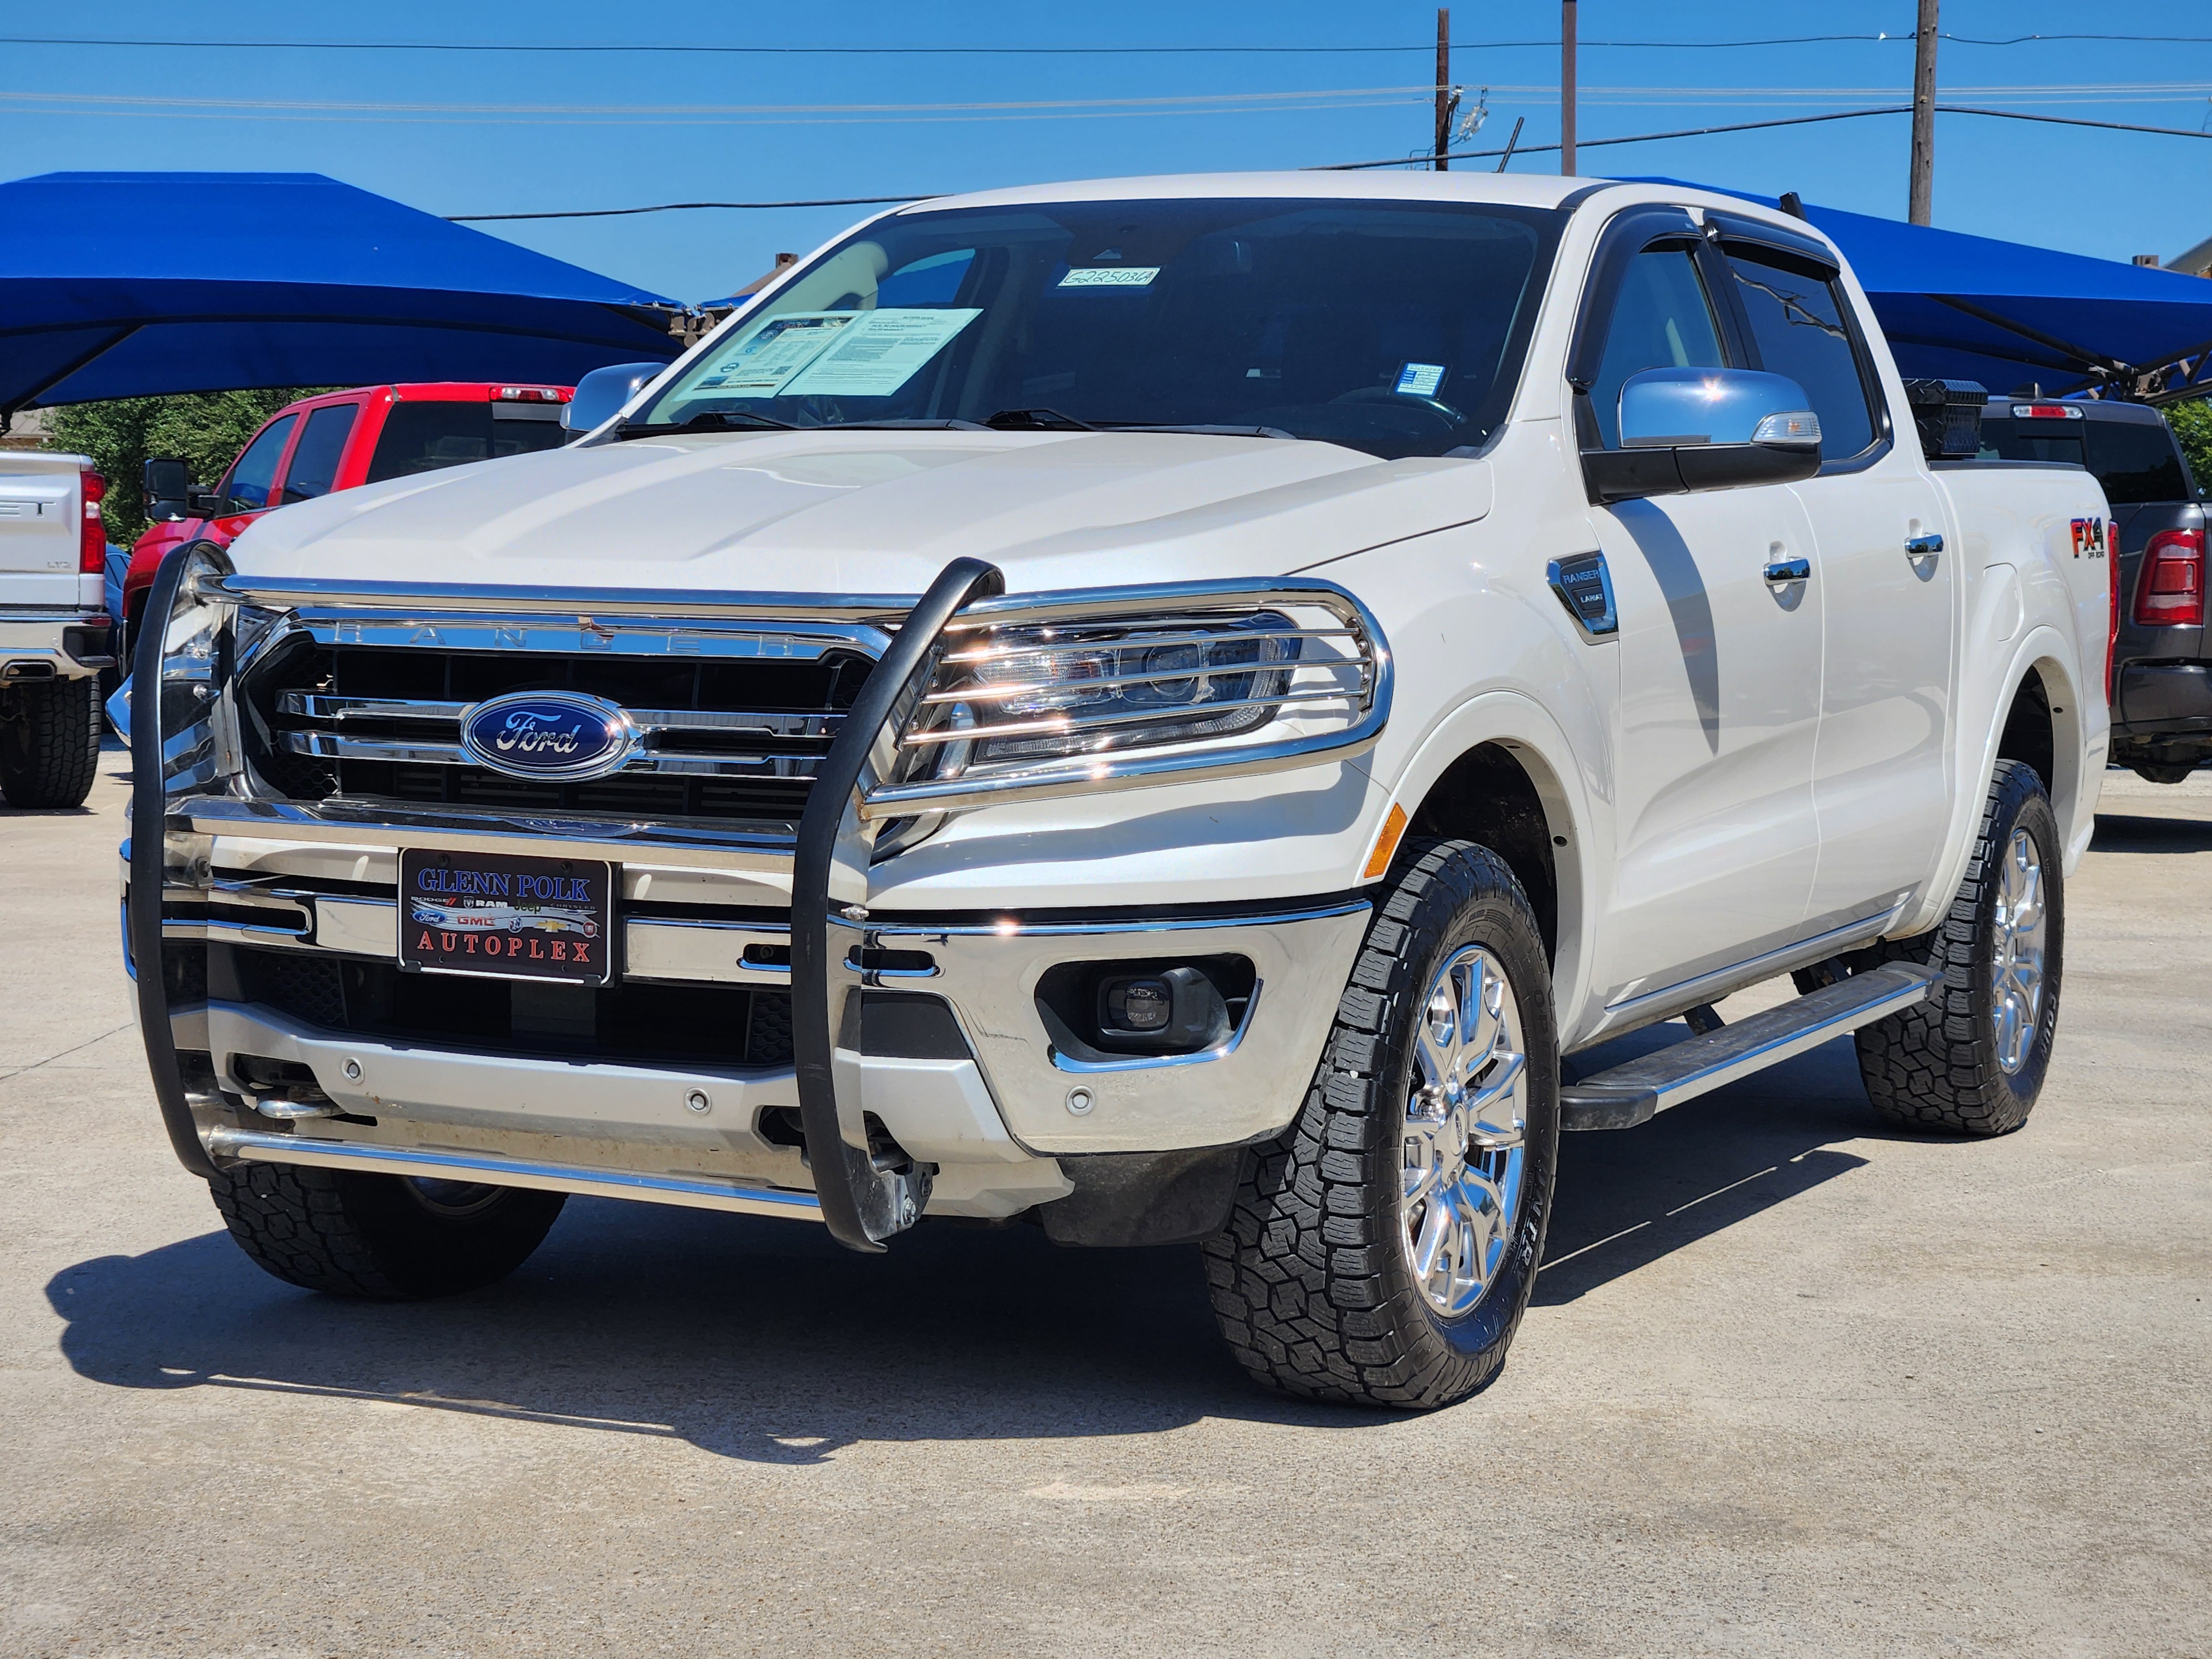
[1792, 1384]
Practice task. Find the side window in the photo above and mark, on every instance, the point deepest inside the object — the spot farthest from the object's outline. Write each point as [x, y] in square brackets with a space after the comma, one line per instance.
[256, 470]
[315, 463]
[1797, 322]
[1663, 319]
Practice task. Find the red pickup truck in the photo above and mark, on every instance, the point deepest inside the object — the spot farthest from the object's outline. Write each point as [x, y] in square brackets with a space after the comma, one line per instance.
[337, 441]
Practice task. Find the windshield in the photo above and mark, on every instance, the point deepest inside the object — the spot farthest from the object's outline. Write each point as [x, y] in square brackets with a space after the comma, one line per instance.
[1394, 327]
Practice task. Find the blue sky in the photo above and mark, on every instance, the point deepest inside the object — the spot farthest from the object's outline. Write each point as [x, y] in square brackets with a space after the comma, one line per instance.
[514, 131]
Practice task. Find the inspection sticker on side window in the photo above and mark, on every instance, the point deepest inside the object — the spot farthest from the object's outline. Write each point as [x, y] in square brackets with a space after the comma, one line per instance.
[775, 351]
[880, 353]
[1419, 379]
[1110, 276]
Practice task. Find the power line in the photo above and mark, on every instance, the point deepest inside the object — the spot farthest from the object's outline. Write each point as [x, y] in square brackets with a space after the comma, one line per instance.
[682, 207]
[697, 49]
[1394, 161]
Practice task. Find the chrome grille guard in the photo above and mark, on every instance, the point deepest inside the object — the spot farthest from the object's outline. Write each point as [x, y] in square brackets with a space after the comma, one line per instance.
[886, 767]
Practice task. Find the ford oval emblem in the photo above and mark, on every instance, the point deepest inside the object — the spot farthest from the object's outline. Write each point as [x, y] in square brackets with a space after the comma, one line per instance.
[562, 737]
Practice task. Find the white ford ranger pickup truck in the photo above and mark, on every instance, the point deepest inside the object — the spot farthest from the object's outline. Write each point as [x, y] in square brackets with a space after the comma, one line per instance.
[56, 635]
[1175, 709]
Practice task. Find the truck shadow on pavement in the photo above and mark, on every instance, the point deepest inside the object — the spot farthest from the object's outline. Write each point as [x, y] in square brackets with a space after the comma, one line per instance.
[763, 1341]
[2151, 835]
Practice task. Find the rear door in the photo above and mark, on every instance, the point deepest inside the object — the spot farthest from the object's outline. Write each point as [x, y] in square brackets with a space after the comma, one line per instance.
[1882, 782]
[42, 521]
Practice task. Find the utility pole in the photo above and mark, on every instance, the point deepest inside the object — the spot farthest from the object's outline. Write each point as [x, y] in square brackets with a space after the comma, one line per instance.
[1567, 86]
[1923, 115]
[1442, 162]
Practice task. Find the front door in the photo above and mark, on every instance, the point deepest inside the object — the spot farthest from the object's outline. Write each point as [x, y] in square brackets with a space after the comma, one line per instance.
[1720, 681]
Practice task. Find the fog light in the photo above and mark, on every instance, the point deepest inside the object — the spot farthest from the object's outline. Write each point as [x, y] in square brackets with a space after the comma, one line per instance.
[1176, 1012]
[1138, 1005]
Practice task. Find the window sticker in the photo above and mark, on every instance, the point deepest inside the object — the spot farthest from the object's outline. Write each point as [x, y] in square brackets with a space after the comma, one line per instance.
[763, 361]
[1419, 379]
[1110, 276]
[880, 353]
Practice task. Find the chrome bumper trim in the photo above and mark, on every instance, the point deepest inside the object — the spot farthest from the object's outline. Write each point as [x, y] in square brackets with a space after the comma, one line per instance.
[256, 1147]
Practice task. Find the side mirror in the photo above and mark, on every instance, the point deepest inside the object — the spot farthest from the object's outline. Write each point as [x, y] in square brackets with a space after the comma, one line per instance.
[1705, 428]
[600, 395]
[167, 488]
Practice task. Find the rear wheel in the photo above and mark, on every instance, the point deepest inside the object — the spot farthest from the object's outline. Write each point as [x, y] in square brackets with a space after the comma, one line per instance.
[49, 742]
[1383, 1247]
[1971, 1060]
[390, 1238]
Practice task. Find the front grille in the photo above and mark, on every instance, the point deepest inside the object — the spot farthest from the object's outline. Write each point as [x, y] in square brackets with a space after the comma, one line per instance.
[643, 1024]
[725, 740]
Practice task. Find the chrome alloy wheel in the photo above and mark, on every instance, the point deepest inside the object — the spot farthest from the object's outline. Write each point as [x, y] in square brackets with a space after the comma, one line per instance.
[2016, 963]
[1466, 1122]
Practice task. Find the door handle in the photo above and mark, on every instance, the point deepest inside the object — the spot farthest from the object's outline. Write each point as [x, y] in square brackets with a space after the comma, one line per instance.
[1781, 572]
[1922, 547]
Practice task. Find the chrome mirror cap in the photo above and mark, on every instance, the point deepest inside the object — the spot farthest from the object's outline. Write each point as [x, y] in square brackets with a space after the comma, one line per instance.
[1679, 408]
[602, 394]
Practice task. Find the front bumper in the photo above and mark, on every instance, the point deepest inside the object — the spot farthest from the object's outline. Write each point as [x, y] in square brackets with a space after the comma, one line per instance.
[49, 645]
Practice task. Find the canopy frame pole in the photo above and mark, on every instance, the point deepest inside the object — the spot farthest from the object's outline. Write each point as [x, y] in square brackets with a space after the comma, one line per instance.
[31, 394]
[2086, 358]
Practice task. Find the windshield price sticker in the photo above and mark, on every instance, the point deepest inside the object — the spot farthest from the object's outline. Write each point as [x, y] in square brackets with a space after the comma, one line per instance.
[498, 916]
[1419, 379]
[880, 353]
[1111, 276]
[765, 359]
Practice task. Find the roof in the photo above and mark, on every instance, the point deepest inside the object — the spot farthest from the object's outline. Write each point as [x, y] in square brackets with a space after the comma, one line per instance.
[141, 282]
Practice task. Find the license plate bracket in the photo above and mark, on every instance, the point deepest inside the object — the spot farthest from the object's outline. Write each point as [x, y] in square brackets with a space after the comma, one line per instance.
[501, 915]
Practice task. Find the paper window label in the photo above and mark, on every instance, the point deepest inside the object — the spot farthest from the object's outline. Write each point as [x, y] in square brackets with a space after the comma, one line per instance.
[764, 360]
[1419, 379]
[1111, 276]
[879, 353]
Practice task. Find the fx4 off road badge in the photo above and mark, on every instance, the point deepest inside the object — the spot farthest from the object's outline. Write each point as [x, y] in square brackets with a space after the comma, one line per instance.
[2089, 537]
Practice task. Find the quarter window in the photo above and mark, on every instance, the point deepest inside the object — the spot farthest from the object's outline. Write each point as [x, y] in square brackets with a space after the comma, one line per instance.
[1798, 322]
[1663, 319]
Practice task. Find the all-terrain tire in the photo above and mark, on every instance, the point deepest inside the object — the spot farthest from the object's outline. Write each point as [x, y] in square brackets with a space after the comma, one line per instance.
[49, 742]
[1312, 1285]
[1938, 1067]
[384, 1237]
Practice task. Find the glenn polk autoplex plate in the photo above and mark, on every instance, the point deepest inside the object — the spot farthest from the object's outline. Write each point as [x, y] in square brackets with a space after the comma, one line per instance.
[507, 917]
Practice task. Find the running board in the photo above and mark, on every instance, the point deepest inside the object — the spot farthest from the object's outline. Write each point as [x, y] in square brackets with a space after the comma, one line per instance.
[1632, 1093]
[692, 1192]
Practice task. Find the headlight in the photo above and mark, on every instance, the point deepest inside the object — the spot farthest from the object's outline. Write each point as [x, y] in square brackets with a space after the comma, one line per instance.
[1050, 693]
[1036, 695]
[194, 648]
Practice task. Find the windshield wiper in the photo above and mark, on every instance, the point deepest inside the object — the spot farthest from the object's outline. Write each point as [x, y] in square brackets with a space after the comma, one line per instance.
[946, 423]
[1206, 427]
[1037, 420]
[714, 420]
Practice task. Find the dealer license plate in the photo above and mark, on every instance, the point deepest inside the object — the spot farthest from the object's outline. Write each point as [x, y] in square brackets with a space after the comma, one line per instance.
[507, 917]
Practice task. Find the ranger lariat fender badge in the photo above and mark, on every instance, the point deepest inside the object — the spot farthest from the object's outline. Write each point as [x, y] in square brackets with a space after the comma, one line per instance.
[564, 737]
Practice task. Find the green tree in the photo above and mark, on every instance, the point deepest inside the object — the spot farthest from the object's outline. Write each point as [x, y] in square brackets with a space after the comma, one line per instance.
[206, 428]
[2192, 427]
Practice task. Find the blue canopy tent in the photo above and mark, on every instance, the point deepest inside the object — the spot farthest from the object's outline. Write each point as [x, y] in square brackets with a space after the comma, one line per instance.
[2012, 316]
[119, 284]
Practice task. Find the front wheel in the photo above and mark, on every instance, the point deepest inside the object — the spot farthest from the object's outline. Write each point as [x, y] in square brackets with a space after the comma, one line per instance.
[388, 1238]
[1383, 1247]
[1971, 1060]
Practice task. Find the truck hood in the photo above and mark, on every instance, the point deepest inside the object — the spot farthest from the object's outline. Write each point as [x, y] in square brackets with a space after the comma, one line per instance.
[853, 512]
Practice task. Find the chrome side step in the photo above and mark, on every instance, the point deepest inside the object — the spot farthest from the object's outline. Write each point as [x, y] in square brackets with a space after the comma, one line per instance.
[694, 1192]
[1632, 1093]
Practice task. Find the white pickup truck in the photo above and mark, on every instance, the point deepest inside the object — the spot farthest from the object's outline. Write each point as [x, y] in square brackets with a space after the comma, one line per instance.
[1176, 709]
[56, 635]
